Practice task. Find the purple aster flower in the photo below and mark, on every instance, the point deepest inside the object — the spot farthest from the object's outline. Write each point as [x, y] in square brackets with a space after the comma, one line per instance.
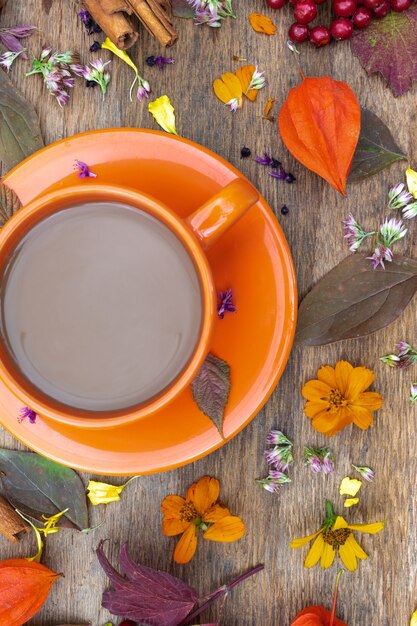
[398, 197]
[83, 170]
[27, 413]
[90, 24]
[413, 393]
[277, 438]
[366, 472]
[159, 61]
[225, 305]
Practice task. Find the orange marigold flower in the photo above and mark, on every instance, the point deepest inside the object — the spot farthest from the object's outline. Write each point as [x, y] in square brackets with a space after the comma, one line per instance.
[338, 397]
[199, 510]
[262, 24]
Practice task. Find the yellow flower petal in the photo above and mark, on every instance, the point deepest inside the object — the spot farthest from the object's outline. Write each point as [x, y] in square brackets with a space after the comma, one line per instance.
[186, 547]
[302, 541]
[350, 486]
[371, 529]
[103, 493]
[348, 556]
[228, 529]
[350, 502]
[411, 177]
[109, 45]
[163, 112]
[413, 621]
[244, 75]
[327, 556]
[315, 552]
[339, 523]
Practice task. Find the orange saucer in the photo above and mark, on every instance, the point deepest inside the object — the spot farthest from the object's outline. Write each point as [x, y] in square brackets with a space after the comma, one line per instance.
[252, 258]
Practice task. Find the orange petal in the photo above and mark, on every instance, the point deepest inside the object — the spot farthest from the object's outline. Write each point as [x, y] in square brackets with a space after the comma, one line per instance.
[330, 423]
[262, 24]
[205, 493]
[172, 527]
[360, 379]
[244, 75]
[185, 548]
[230, 528]
[326, 374]
[171, 507]
[216, 513]
[227, 87]
[362, 417]
[315, 390]
[370, 400]
[312, 409]
[343, 371]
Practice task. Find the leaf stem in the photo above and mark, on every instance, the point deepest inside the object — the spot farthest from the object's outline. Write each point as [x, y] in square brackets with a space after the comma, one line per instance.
[333, 615]
[221, 592]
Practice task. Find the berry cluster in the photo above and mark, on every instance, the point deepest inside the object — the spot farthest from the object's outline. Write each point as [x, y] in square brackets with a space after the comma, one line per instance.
[350, 14]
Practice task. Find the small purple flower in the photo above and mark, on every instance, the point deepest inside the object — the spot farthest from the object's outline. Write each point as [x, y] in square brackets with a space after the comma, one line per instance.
[281, 174]
[27, 413]
[233, 104]
[328, 465]
[277, 438]
[280, 457]
[274, 481]
[366, 472]
[398, 197]
[265, 160]
[159, 61]
[319, 459]
[91, 25]
[406, 356]
[8, 58]
[144, 89]
[315, 464]
[269, 486]
[10, 36]
[279, 477]
[354, 233]
[413, 393]
[410, 211]
[83, 170]
[225, 305]
[380, 255]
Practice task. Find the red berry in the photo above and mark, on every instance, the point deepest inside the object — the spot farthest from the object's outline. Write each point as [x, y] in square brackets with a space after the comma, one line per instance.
[344, 8]
[276, 4]
[305, 11]
[298, 32]
[341, 28]
[382, 9]
[320, 36]
[362, 17]
[372, 4]
[400, 5]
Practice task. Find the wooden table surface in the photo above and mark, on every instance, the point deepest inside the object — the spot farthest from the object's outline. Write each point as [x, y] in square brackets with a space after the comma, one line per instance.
[383, 591]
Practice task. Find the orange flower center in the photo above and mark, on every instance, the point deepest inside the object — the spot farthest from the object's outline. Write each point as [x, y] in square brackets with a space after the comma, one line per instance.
[336, 400]
[188, 512]
[336, 538]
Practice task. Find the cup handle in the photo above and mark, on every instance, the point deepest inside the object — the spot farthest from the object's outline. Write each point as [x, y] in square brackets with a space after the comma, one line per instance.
[212, 219]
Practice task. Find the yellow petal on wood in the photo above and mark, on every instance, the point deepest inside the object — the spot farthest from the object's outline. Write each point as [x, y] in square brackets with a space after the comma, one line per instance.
[413, 621]
[411, 177]
[244, 75]
[109, 45]
[163, 112]
[350, 486]
[103, 493]
[350, 502]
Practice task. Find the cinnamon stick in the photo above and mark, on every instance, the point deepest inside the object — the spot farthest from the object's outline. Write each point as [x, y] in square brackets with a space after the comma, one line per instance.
[110, 15]
[11, 524]
[156, 18]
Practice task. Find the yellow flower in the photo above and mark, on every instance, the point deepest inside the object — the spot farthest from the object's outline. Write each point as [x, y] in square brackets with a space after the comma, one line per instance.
[411, 177]
[229, 90]
[336, 536]
[350, 486]
[163, 112]
[103, 493]
[338, 397]
[350, 502]
[49, 528]
[143, 85]
[199, 510]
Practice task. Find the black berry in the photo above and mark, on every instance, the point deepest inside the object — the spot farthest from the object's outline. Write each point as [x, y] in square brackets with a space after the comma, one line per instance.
[290, 178]
[95, 46]
[275, 164]
[150, 61]
[90, 83]
[245, 153]
[285, 210]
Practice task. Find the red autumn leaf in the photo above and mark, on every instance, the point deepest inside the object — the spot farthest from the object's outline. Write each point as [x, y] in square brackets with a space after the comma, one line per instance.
[389, 46]
[320, 124]
[24, 587]
[145, 595]
[315, 616]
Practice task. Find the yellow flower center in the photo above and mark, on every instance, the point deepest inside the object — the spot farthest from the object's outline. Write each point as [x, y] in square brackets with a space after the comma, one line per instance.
[336, 400]
[188, 512]
[336, 538]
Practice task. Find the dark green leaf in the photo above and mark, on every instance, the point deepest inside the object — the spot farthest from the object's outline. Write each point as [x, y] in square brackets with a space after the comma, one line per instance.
[181, 8]
[9, 203]
[37, 486]
[376, 148]
[353, 300]
[211, 389]
[20, 134]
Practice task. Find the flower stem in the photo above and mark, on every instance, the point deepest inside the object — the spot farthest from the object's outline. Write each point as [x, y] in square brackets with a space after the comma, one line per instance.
[333, 615]
[221, 592]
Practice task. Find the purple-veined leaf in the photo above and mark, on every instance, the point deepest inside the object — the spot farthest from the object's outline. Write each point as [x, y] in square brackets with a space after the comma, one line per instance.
[389, 46]
[211, 389]
[181, 8]
[353, 300]
[376, 148]
[145, 595]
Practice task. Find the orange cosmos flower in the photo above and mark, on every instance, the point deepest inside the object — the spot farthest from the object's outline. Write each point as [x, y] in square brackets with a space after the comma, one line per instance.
[338, 397]
[199, 510]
